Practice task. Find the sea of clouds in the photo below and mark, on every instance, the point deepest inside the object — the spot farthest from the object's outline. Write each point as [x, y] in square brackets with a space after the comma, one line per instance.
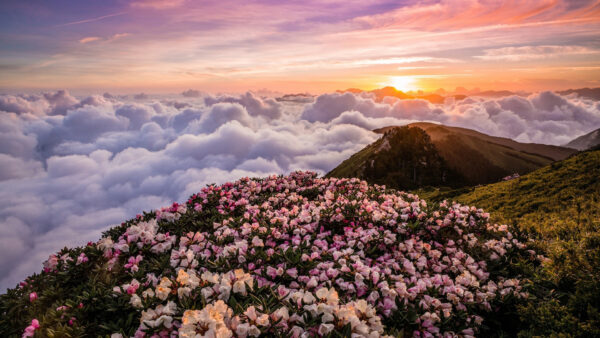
[71, 167]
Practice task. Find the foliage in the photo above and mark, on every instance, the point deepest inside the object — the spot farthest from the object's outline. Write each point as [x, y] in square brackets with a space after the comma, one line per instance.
[283, 256]
[559, 206]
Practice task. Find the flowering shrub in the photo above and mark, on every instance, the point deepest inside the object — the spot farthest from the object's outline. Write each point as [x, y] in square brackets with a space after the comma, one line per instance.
[282, 256]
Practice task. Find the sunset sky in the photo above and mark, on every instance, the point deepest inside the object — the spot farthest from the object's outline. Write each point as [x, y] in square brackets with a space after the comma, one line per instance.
[297, 46]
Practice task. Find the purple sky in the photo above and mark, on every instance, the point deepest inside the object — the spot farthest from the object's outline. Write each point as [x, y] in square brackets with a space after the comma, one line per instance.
[315, 46]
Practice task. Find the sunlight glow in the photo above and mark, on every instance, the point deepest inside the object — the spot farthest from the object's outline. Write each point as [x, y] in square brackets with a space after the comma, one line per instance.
[403, 83]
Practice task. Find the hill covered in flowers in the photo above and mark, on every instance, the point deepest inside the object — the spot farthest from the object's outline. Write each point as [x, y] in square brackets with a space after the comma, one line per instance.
[283, 256]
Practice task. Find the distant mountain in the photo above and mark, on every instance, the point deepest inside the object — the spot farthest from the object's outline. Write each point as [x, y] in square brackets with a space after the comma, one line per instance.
[586, 141]
[440, 96]
[390, 91]
[381, 93]
[590, 93]
[495, 93]
[297, 98]
[427, 154]
[351, 90]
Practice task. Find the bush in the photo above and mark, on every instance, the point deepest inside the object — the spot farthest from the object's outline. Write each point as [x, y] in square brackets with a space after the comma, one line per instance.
[284, 256]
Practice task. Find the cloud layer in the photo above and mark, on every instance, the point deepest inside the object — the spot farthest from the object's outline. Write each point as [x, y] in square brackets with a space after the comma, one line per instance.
[72, 167]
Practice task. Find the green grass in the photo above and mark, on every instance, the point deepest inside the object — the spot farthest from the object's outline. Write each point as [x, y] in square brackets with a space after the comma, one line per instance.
[559, 206]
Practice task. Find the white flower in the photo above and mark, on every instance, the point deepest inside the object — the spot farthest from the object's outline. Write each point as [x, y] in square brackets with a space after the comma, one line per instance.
[251, 313]
[325, 329]
[105, 244]
[184, 292]
[163, 289]
[224, 291]
[136, 301]
[148, 293]
[254, 331]
[281, 313]
[308, 298]
[214, 319]
[242, 329]
[207, 292]
[263, 320]
[189, 279]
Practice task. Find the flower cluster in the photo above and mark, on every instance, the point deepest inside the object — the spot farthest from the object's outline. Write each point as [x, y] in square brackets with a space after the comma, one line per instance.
[305, 256]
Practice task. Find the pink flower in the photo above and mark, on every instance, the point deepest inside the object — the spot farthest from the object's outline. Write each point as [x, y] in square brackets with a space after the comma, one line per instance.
[133, 262]
[33, 296]
[271, 272]
[132, 289]
[30, 330]
[293, 272]
[81, 259]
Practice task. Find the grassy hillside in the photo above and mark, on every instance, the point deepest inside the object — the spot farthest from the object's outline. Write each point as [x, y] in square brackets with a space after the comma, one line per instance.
[559, 205]
[567, 190]
[466, 157]
[404, 158]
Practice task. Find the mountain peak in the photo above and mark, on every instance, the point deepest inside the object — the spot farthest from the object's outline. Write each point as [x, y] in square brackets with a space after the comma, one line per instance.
[423, 153]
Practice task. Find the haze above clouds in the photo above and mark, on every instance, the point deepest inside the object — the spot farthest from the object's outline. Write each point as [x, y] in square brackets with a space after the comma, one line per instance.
[72, 167]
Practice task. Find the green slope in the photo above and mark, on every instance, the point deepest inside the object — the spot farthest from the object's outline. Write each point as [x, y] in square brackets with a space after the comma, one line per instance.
[559, 205]
[568, 191]
[404, 158]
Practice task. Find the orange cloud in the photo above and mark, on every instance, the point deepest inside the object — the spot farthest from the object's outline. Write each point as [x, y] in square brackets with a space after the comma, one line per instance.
[89, 39]
[97, 38]
[119, 36]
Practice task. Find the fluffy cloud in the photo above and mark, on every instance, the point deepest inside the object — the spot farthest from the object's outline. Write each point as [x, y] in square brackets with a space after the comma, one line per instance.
[72, 167]
[268, 108]
[190, 93]
[544, 117]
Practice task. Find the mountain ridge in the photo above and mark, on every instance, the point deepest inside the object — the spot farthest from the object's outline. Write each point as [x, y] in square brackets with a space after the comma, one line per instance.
[467, 157]
[586, 141]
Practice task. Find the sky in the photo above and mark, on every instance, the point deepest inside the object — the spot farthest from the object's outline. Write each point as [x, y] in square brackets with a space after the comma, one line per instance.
[297, 46]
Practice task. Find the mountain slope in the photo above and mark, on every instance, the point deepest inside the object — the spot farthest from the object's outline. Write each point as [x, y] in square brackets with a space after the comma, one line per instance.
[586, 141]
[572, 186]
[403, 158]
[559, 205]
[463, 157]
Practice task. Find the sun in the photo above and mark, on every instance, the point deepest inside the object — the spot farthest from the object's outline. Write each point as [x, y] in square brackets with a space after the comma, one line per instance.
[402, 83]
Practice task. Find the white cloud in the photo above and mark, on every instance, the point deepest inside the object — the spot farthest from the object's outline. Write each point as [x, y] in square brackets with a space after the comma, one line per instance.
[527, 53]
[543, 117]
[72, 167]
